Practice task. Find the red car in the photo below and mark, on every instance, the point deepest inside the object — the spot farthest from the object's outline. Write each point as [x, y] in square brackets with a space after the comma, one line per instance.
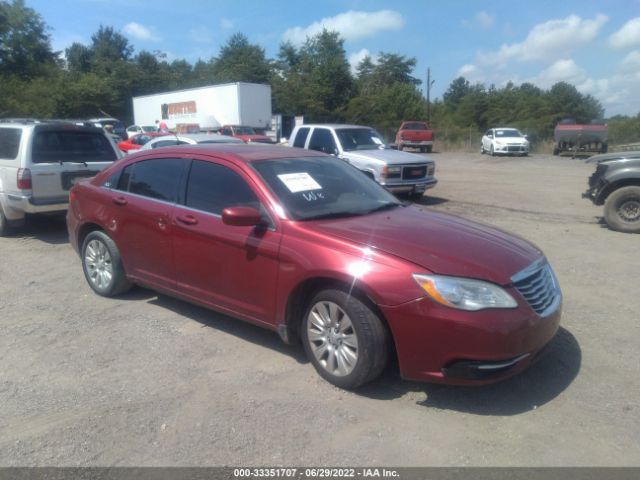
[415, 134]
[304, 244]
[246, 134]
[136, 141]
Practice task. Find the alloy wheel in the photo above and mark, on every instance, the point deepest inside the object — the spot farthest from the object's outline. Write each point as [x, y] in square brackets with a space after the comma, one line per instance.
[332, 338]
[98, 264]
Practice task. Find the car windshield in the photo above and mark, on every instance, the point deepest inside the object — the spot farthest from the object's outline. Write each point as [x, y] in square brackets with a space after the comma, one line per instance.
[508, 133]
[149, 129]
[244, 131]
[323, 187]
[359, 139]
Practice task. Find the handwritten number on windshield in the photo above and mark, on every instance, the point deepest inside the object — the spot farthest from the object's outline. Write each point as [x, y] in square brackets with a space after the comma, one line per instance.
[312, 196]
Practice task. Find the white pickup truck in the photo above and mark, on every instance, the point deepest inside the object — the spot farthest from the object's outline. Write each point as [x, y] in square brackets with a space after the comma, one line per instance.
[363, 147]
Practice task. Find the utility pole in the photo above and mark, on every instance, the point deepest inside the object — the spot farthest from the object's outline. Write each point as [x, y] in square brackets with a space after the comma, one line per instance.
[429, 83]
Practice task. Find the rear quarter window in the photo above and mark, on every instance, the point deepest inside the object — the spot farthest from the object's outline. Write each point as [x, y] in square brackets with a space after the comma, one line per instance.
[10, 143]
[52, 146]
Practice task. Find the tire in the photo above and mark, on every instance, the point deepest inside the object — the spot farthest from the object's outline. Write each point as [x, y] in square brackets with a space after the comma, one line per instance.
[400, 147]
[429, 148]
[423, 149]
[491, 152]
[102, 265]
[4, 224]
[338, 322]
[622, 209]
[482, 151]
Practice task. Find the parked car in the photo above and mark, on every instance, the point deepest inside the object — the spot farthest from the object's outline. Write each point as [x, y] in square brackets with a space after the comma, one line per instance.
[117, 127]
[189, 139]
[504, 141]
[40, 161]
[364, 148]
[137, 141]
[415, 134]
[303, 244]
[136, 129]
[616, 185]
[244, 133]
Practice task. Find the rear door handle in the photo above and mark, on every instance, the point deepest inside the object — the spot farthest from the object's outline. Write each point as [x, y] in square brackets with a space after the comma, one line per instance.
[188, 220]
[120, 201]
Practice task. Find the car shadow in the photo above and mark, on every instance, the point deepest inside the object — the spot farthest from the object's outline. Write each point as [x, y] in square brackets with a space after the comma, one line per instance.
[529, 390]
[209, 318]
[50, 229]
[428, 200]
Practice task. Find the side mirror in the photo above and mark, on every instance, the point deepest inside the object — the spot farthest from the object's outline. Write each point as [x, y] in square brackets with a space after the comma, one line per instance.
[335, 152]
[241, 216]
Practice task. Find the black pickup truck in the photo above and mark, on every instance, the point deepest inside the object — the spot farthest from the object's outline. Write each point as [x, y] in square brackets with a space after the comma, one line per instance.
[616, 185]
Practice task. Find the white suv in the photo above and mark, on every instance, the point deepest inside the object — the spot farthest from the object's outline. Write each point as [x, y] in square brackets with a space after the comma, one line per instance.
[40, 162]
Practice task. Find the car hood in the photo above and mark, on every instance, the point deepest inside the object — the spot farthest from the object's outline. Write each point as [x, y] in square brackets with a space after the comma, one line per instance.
[439, 242]
[388, 156]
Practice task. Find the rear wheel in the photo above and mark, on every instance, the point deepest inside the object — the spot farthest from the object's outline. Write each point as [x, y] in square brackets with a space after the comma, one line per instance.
[622, 210]
[102, 265]
[344, 338]
[4, 227]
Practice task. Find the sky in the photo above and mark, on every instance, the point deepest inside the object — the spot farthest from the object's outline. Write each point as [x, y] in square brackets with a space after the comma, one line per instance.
[595, 45]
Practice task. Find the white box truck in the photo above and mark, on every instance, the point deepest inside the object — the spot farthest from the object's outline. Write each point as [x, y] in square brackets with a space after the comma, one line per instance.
[207, 108]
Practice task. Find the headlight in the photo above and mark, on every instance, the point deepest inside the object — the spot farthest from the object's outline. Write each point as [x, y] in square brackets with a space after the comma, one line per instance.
[464, 293]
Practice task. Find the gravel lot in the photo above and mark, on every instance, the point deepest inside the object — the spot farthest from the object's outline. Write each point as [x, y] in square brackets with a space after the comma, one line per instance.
[149, 380]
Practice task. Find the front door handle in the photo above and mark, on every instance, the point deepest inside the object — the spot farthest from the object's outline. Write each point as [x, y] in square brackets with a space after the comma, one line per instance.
[187, 219]
[120, 201]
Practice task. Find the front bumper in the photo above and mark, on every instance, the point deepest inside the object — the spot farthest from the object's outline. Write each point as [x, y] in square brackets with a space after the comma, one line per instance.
[443, 345]
[416, 186]
[511, 149]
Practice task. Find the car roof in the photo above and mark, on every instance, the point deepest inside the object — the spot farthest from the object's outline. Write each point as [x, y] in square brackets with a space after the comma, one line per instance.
[240, 152]
[333, 125]
[205, 137]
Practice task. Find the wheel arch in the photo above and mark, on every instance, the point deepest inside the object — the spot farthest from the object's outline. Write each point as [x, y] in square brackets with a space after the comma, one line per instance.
[85, 230]
[301, 295]
[612, 187]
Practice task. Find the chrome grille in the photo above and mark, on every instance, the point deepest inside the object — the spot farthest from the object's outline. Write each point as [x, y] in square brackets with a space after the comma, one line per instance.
[414, 171]
[539, 287]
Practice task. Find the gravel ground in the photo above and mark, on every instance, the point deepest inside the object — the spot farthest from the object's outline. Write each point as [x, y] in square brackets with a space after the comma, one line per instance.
[149, 380]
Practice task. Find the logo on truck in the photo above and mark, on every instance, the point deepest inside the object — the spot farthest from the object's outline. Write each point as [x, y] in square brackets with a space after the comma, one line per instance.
[178, 110]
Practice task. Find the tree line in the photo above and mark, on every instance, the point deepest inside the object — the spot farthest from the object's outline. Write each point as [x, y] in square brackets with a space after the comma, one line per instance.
[313, 79]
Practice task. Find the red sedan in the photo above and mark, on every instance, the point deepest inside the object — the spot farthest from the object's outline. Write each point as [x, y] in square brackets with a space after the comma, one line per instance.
[244, 133]
[136, 141]
[306, 245]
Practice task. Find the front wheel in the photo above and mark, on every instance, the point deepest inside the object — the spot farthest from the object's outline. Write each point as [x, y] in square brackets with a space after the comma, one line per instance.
[102, 265]
[622, 210]
[491, 152]
[344, 338]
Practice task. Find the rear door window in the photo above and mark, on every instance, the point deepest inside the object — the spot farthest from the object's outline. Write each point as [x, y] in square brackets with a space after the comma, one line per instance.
[301, 137]
[158, 178]
[51, 146]
[10, 142]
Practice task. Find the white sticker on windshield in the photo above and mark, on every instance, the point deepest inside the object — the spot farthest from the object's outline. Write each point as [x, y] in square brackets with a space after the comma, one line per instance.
[376, 140]
[299, 182]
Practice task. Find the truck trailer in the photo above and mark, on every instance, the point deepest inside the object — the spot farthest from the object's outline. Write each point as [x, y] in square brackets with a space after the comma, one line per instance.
[207, 108]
